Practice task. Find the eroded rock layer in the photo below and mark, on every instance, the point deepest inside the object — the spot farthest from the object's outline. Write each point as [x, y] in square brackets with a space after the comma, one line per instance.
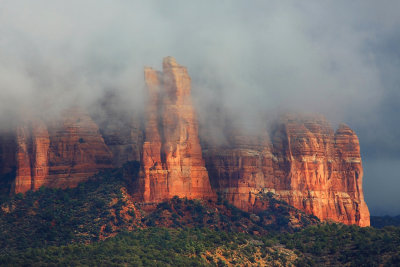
[306, 164]
[32, 162]
[77, 149]
[300, 158]
[59, 153]
[172, 162]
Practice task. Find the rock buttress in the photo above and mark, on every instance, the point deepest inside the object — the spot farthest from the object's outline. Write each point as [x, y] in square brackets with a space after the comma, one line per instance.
[32, 148]
[77, 149]
[172, 162]
[60, 153]
[306, 164]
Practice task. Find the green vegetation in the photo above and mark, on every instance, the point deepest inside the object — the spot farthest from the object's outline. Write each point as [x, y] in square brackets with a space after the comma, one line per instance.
[97, 223]
[343, 245]
[277, 216]
[154, 247]
[52, 217]
[321, 245]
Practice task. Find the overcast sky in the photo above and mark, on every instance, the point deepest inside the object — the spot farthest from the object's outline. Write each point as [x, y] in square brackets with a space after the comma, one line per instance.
[338, 58]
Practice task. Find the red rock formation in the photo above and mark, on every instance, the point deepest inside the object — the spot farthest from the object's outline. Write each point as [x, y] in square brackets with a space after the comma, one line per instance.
[323, 169]
[307, 165]
[61, 154]
[239, 169]
[172, 158]
[348, 148]
[32, 149]
[77, 150]
[154, 176]
[304, 162]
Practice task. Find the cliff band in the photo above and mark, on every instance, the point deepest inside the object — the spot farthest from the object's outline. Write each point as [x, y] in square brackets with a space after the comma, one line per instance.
[300, 158]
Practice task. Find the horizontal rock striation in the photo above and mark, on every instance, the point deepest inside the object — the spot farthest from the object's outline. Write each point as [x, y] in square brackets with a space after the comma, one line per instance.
[306, 164]
[77, 149]
[60, 153]
[300, 158]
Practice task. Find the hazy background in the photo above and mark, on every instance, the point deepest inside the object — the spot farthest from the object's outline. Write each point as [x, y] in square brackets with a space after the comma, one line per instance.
[339, 58]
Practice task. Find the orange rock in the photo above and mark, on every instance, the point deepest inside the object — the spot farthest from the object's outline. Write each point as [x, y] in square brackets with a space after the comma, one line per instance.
[239, 169]
[32, 147]
[305, 164]
[348, 148]
[77, 149]
[154, 177]
[61, 154]
[301, 159]
[23, 179]
[172, 162]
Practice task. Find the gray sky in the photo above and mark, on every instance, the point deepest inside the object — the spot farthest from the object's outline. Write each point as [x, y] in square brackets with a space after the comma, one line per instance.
[339, 58]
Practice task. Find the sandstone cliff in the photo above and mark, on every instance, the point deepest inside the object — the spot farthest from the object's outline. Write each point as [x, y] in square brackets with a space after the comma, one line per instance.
[300, 158]
[172, 162]
[77, 149]
[59, 153]
[305, 164]
[32, 148]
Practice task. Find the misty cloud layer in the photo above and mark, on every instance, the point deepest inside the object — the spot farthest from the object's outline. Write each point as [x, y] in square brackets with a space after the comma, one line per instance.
[338, 58]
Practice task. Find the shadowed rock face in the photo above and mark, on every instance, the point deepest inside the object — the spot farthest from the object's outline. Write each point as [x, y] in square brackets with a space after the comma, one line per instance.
[7, 161]
[60, 153]
[122, 131]
[172, 162]
[306, 164]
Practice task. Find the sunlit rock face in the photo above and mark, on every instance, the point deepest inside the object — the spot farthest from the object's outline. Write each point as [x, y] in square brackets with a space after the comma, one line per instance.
[60, 153]
[172, 162]
[300, 158]
[32, 150]
[304, 162]
[240, 168]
